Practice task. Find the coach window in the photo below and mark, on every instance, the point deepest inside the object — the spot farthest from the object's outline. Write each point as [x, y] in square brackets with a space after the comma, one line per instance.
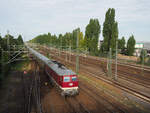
[66, 79]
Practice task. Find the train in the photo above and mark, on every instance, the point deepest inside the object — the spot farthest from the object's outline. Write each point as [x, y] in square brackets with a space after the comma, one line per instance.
[65, 79]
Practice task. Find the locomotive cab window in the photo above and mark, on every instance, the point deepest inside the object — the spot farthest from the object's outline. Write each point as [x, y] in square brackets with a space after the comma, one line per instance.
[74, 78]
[66, 79]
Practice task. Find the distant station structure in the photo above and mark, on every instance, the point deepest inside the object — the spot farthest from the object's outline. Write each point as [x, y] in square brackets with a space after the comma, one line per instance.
[147, 47]
[142, 45]
[138, 49]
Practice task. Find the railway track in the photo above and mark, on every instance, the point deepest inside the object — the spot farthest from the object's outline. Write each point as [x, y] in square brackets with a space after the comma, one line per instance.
[106, 101]
[126, 89]
[136, 77]
[24, 89]
[132, 65]
[36, 89]
[27, 91]
[75, 105]
[122, 87]
[31, 89]
[121, 74]
[114, 83]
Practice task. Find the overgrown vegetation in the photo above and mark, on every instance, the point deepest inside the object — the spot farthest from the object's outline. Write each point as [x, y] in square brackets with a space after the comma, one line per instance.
[121, 45]
[89, 42]
[21, 65]
[4, 54]
[92, 36]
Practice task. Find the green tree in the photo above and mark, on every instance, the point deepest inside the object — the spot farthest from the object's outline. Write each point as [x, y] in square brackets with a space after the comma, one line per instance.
[81, 40]
[67, 40]
[20, 40]
[130, 45]
[46, 39]
[121, 44]
[60, 37]
[92, 35]
[12, 41]
[0, 40]
[0, 58]
[6, 56]
[110, 31]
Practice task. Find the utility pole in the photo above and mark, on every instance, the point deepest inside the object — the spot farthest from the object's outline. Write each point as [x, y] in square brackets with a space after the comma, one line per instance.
[59, 49]
[77, 55]
[116, 76]
[61, 45]
[70, 52]
[2, 61]
[110, 63]
[66, 55]
[8, 42]
[143, 58]
[107, 62]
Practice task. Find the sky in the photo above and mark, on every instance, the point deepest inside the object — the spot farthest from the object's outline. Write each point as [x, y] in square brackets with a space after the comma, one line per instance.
[33, 17]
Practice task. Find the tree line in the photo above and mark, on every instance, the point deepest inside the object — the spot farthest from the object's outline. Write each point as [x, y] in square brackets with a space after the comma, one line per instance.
[90, 40]
[4, 54]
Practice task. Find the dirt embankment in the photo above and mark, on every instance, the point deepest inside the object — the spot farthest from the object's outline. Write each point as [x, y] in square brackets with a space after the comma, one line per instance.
[124, 57]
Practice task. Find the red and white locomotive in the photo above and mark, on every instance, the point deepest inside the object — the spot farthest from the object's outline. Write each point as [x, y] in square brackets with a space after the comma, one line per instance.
[64, 78]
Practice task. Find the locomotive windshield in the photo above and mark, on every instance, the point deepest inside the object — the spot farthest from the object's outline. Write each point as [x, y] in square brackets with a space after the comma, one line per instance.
[66, 79]
[74, 78]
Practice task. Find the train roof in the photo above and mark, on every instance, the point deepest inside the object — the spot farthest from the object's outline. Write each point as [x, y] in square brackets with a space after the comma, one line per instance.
[59, 68]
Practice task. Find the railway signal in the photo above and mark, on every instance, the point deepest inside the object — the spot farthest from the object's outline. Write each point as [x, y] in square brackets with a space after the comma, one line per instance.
[143, 60]
[24, 72]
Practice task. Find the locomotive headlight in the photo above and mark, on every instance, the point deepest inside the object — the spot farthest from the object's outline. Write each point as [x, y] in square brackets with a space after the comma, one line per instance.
[70, 84]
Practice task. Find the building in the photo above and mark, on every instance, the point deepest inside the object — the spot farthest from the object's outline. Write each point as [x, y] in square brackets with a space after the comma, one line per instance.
[139, 45]
[147, 47]
[138, 49]
[142, 45]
